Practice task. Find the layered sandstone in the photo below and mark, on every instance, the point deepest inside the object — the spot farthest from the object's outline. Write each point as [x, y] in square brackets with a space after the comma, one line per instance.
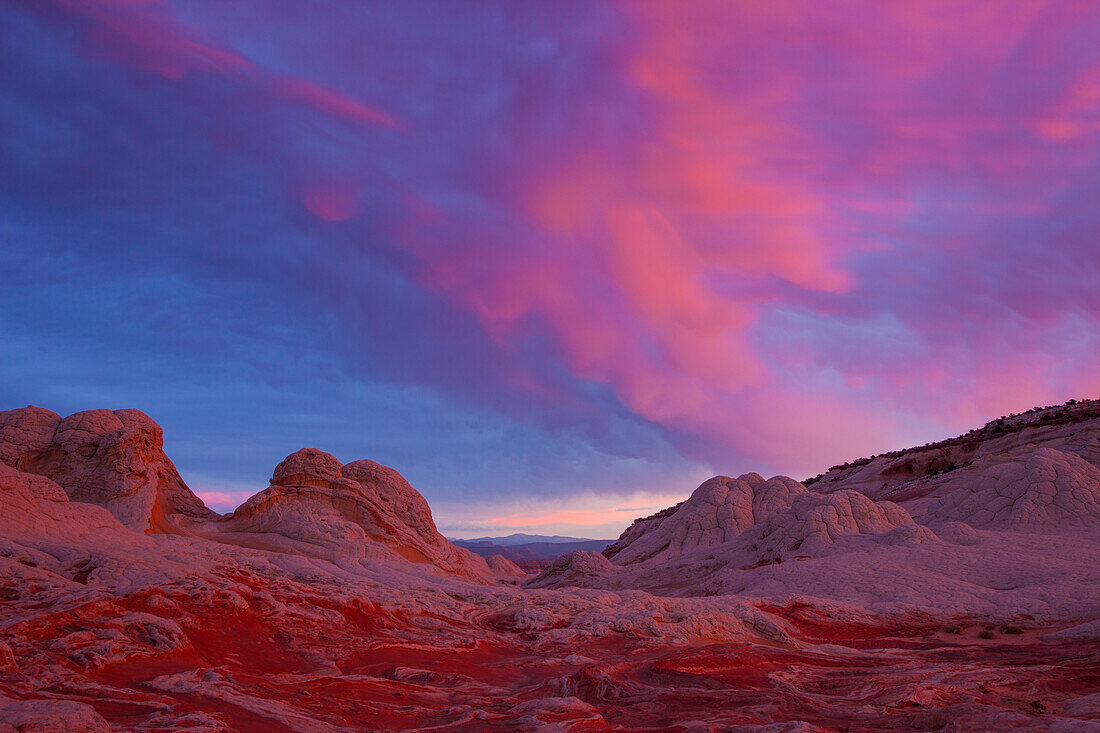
[815, 522]
[1073, 428]
[1043, 487]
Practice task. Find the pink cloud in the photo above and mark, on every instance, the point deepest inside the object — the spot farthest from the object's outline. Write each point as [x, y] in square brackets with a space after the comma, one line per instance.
[329, 101]
[223, 501]
[777, 230]
[564, 517]
[783, 143]
[332, 204]
[144, 35]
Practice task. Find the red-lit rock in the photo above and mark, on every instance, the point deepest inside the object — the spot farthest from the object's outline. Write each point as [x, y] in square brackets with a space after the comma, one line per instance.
[329, 602]
[112, 458]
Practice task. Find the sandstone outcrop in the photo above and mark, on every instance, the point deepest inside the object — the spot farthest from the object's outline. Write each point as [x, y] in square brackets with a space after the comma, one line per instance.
[760, 606]
[814, 522]
[50, 716]
[505, 569]
[35, 507]
[579, 567]
[318, 506]
[730, 527]
[718, 511]
[111, 458]
[1072, 428]
[1041, 488]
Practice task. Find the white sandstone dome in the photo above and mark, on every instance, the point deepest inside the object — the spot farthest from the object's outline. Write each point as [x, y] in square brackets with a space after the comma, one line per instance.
[318, 506]
[717, 512]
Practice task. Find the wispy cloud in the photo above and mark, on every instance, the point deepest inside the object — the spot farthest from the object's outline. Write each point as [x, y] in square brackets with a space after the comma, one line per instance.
[616, 247]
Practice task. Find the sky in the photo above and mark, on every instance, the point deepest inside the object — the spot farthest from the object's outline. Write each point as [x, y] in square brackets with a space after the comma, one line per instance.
[557, 263]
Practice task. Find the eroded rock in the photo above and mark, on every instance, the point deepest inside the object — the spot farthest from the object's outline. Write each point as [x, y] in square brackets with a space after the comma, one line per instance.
[1040, 488]
[318, 506]
[111, 458]
[718, 511]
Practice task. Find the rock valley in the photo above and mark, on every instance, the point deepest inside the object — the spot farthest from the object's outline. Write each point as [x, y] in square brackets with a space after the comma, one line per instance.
[950, 587]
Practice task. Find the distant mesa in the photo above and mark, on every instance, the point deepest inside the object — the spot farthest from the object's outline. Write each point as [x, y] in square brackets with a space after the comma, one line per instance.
[520, 538]
[532, 553]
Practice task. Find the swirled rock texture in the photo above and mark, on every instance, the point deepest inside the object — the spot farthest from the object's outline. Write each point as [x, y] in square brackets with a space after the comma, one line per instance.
[111, 458]
[318, 506]
[50, 716]
[961, 599]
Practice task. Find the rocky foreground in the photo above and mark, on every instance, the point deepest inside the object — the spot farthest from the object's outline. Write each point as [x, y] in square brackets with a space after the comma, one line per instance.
[951, 587]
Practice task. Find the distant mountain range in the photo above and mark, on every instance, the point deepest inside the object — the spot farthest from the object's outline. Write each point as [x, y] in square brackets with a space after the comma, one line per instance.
[523, 539]
[530, 552]
[976, 557]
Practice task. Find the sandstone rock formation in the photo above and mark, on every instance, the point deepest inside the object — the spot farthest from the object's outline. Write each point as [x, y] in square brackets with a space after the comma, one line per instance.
[50, 716]
[784, 518]
[1036, 474]
[35, 507]
[318, 506]
[1043, 487]
[729, 527]
[504, 569]
[53, 469]
[579, 567]
[114, 459]
[1072, 428]
[752, 605]
[719, 510]
[814, 522]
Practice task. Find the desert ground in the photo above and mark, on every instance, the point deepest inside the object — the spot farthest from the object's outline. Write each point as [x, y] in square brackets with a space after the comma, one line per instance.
[948, 587]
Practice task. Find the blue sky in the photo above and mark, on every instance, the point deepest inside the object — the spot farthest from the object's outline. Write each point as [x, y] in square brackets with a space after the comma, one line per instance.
[556, 264]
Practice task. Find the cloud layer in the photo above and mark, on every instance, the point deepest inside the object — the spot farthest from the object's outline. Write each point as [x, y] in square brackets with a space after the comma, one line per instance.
[530, 253]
